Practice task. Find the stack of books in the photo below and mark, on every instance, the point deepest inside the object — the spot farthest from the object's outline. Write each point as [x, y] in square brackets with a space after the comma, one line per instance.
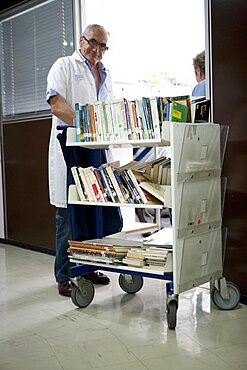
[149, 257]
[97, 252]
[128, 247]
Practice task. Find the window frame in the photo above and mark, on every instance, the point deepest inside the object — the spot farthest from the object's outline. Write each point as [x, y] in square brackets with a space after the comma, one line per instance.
[75, 28]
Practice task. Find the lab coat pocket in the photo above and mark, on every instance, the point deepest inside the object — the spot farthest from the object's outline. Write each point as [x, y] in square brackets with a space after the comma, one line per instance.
[79, 77]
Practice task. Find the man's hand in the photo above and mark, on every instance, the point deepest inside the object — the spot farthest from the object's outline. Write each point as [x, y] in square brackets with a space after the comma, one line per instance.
[62, 110]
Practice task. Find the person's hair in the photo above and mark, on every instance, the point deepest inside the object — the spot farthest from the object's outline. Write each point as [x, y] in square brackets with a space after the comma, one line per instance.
[91, 26]
[199, 61]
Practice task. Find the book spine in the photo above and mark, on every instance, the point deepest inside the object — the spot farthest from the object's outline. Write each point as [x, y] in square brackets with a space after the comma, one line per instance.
[105, 185]
[83, 182]
[112, 189]
[160, 106]
[134, 121]
[98, 122]
[147, 118]
[94, 184]
[87, 184]
[162, 171]
[120, 121]
[127, 115]
[112, 123]
[150, 118]
[142, 195]
[87, 122]
[114, 117]
[77, 121]
[123, 119]
[135, 195]
[124, 190]
[102, 188]
[92, 121]
[115, 184]
[104, 119]
[81, 125]
[110, 186]
[155, 117]
[141, 119]
[77, 181]
[90, 244]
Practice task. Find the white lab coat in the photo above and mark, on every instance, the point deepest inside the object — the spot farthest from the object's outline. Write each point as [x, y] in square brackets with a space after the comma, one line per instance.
[73, 80]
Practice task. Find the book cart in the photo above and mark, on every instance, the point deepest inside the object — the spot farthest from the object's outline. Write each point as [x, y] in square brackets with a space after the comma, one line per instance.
[196, 202]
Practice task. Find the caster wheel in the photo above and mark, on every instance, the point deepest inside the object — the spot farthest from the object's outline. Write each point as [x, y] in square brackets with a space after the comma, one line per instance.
[231, 302]
[130, 283]
[83, 296]
[172, 307]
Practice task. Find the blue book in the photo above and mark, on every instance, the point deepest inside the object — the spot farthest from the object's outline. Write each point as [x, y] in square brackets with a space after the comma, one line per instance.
[106, 185]
[124, 190]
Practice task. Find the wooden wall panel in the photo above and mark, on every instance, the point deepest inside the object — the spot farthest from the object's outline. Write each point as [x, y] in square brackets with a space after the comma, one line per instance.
[30, 217]
[229, 56]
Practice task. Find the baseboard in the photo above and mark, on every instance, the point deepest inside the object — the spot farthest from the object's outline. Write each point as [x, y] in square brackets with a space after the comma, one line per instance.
[35, 248]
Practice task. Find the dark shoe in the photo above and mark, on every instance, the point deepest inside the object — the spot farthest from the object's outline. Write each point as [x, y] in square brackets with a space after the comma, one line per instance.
[65, 288]
[97, 277]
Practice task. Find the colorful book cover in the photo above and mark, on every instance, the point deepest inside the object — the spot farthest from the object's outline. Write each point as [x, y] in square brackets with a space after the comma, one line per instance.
[92, 122]
[77, 121]
[98, 122]
[178, 112]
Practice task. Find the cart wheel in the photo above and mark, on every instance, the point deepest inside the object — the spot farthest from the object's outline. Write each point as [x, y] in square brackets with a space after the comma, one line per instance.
[83, 296]
[172, 307]
[130, 283]
[226, 304]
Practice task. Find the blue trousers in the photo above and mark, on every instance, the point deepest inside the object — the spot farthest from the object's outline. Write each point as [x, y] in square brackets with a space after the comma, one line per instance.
[76, 226]
[81, 222]
[62, 264]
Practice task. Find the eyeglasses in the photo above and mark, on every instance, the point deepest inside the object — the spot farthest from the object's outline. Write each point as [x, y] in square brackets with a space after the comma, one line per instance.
[95, 44]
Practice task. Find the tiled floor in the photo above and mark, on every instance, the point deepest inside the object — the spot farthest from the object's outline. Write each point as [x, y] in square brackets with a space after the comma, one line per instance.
[41, 330]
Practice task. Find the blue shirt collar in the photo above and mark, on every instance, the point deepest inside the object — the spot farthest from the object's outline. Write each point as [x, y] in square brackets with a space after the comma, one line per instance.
[85, 60]
[102, 70]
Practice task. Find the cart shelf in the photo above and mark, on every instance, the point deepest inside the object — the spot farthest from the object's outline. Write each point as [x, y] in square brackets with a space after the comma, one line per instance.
[196, 202]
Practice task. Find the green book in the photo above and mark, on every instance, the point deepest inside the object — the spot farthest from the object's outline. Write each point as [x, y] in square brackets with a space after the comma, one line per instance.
[179, 112]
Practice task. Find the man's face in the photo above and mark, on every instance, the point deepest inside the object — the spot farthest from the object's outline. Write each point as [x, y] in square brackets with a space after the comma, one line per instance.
[93, 45]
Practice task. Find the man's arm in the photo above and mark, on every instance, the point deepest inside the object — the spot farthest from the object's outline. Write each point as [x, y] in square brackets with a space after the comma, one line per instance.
[61, 109]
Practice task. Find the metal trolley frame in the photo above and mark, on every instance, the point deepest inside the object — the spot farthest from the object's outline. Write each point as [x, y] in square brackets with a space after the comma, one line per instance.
[197, 197]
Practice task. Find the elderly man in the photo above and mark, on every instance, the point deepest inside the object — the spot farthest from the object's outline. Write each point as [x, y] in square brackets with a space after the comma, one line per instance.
[79, 78]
